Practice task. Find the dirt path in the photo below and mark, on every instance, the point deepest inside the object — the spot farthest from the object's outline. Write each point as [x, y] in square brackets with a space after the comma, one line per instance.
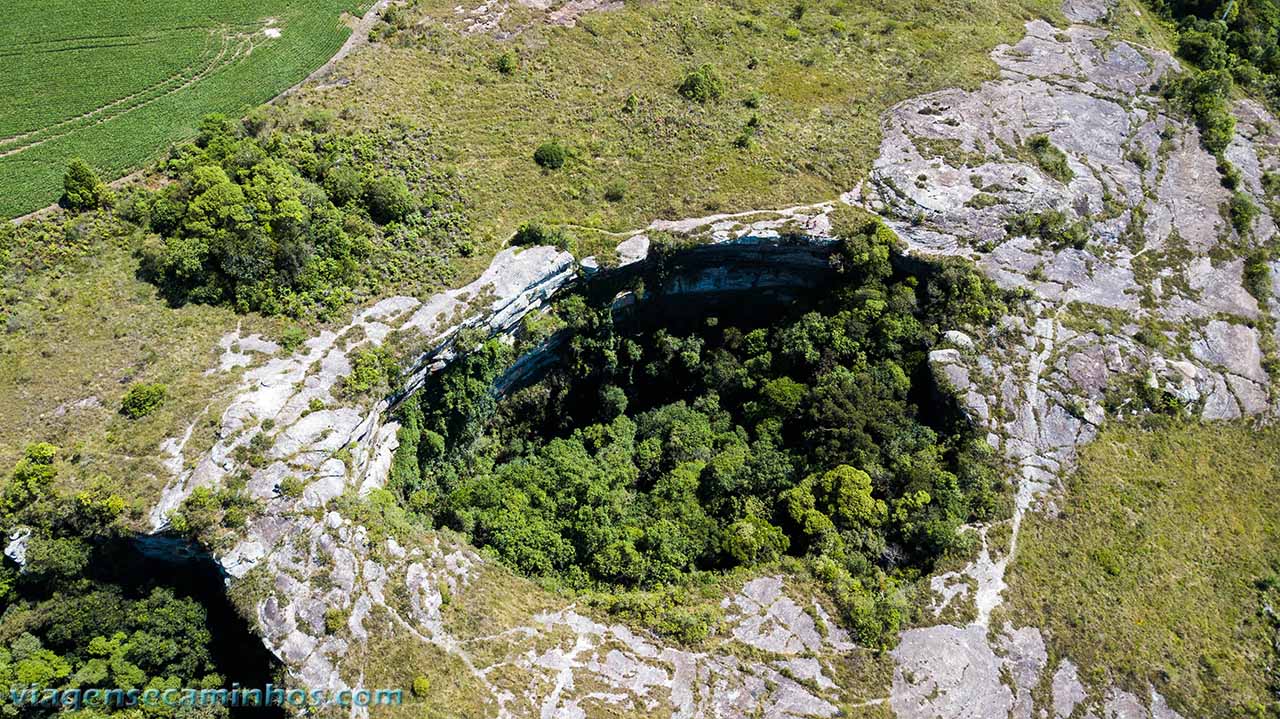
[359, 38]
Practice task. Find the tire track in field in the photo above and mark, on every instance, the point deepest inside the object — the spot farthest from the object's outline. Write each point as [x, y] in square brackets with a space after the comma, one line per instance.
[38, 47]
[358, 38]
[180, 74]
[219, 63]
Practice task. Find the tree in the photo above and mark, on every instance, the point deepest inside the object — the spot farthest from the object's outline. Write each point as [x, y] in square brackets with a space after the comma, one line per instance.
[752, 540]
[82, 189]
[142, 399]
[56, 559]
[32, 477]
[506, 62]
[550, 155]
[388, 198]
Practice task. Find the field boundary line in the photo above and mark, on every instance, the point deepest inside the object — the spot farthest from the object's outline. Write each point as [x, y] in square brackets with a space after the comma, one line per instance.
[181, 73]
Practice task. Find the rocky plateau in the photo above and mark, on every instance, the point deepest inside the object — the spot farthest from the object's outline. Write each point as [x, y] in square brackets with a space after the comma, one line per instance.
[949, 178]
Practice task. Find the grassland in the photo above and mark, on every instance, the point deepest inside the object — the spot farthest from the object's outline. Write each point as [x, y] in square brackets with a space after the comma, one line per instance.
[1147, 575]
[116, 82]
[805, 86]
[76, 334]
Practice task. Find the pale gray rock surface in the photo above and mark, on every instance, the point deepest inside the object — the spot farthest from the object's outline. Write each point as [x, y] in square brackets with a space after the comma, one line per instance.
[1034, 384]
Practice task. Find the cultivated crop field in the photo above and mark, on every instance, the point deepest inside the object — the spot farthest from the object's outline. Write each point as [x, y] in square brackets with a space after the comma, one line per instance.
[117, 81]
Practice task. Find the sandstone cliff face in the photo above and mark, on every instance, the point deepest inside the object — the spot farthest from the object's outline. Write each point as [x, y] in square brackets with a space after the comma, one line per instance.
[950, 176]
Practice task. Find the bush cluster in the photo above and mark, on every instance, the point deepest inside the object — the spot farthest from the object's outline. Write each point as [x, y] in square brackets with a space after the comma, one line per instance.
[1050, 159]
[82, 189]
[1051, 226]
[550, 155]
[142, 399]
[280, 220]
[702, 85]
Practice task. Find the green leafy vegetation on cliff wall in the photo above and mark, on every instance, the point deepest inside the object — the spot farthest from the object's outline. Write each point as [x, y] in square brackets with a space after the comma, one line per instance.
[647, 457]
[1161, 564]
[1232, 47]
[115, 83]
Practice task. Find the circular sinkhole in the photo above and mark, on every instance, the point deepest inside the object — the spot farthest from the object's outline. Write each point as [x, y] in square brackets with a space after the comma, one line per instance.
[716, 408]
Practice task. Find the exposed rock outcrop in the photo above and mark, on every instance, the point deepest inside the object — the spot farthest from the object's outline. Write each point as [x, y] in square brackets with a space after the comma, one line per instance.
[1156, 292]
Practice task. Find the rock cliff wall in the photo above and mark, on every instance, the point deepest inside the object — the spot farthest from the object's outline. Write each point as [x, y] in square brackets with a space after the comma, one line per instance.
[1156, 293]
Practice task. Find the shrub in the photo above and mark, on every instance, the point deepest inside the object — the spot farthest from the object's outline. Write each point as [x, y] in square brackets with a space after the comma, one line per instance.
[536, 233]
[1231, 177]
[334, 620]
[506, 63]
[1204, 49]
[421, 686]
[615, 191]
[1257, 276]
[1271, 184]
[291, 487]
[702, 85]
[291, 338]
[388, 198]
[1050, 159]
[372, 368]
[1204, 96]
[1242, 212]
[550, 155]
[1052, 227]
[32, 477]
[82, 189]
[143, 399]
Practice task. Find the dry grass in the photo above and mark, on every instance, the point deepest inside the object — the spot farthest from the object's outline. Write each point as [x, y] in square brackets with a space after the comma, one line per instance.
[823, 78]
[1147, 573]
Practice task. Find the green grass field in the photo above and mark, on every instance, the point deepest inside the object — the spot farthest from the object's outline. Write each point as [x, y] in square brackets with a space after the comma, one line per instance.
[806, 83]
[117, 81]
[1148, 573]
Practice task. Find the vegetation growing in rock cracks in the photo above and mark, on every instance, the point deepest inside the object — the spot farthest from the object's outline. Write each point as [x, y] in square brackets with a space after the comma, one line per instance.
[649, 457]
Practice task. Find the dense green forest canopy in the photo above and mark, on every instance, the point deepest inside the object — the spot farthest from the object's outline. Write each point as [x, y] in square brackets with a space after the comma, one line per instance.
[86, 611]
[275, 213]
[1240, 36]
[647, 457]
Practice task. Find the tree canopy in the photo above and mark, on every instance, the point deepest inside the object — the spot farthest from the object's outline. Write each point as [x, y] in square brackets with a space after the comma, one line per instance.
[646, 457]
